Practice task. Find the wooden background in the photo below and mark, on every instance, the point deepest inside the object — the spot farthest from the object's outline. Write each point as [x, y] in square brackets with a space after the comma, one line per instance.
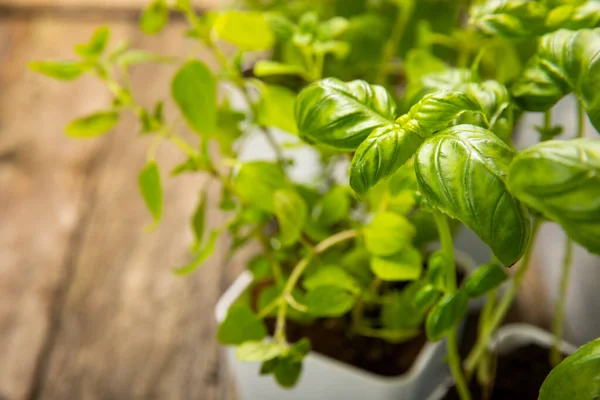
[88, 306]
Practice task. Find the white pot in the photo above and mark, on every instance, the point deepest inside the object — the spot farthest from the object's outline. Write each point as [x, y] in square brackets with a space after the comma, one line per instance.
[325, 378]
[507, 339]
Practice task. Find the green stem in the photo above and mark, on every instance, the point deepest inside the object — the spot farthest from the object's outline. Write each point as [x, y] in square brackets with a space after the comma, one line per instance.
[483, 375]
[548, 119]
[453, 354]
[580, 120]
[357, 311]
[559, 313]
[297, 273]
[505, 304]
[391, 47]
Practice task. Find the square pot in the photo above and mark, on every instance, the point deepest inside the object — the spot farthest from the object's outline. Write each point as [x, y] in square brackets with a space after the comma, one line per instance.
[326, 378]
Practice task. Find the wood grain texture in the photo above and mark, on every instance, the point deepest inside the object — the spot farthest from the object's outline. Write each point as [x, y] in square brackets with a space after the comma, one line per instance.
[116, 4]
[89, 308]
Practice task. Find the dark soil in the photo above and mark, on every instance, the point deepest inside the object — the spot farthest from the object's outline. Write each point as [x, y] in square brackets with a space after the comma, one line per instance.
[519, 376]
[332, 338]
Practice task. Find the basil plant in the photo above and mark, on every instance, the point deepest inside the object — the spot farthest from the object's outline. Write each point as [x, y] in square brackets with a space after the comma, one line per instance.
[420, 100]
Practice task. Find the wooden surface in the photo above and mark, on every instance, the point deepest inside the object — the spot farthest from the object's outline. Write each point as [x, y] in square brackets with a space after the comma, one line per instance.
[116, 4]
[89, 308]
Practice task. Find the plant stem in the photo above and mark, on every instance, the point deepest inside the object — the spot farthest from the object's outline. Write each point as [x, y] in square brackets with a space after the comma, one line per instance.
[580, 120]
[548, 119]
[505, 304]
[297, 273]
[452, 340]
[357, 311]
[559, 313]
[391, 47]
[483, 375]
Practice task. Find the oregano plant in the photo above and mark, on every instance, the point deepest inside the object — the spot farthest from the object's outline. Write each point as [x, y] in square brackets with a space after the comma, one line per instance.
[420, 106]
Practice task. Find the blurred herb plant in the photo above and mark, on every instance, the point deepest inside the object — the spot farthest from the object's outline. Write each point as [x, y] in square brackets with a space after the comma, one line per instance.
[428, 143]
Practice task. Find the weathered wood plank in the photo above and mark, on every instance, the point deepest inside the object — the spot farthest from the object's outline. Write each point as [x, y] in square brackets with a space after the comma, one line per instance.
[116, 4]
[129, 328]
[42, 181]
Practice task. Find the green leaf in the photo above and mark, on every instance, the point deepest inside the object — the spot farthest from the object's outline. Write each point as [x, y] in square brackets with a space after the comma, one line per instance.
[276, 108]
[198, 220]
[256, 183]
[62, 70]
[396, 304]
[420, 62]
[288, 372]
[329, 301]
[385, 150]
[437, 265]
[494, 101]
[260, 266]
[486, 278]
[406, 265]
[577, 377]
[96, 44]
[427, 297]
[445, 315]
[510, 18]
[155, 17]
[332, 207]
[240, 325]
[574, 16]
[151, 189]
[259, 351]
[561, 179]
[195, 92]
[332, 275]
[341, 114]
[388, 233]
[92, 125]
[290, 210]
[201, 255]
[248, 30]
[567, 61]
[264, 68]
[462, 172]
[450, 79]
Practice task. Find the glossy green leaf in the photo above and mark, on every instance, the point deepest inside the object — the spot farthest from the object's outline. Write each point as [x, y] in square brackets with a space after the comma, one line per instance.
[155, 17]
[288, 372]
[385, 150]
[195, 92]
[449, 79]
[574, 16]
[437, 266]
[561, 179]
[96, 44]
[276, 108]
[198, 220]
[341, 114]
[151, 189]
[486, 278]
[445, 315]
[329, 301]
[427, 297]
[248, 30]
[92, 125]
[567, 61]
[406, 265]
[240, 325]
[332, 207]
[256, 183]
[253, 351]
[494, 100]
[510, 18]
[388, 233]
[332, 275]
[290, 210]
[577, 377]
[62, 70]
[462, 172]
[202, 254]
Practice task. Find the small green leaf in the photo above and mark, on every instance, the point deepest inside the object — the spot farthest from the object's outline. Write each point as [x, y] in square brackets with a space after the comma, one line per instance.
[290, 210]
[62, 70]
[287, 372]
[155, 17]
[388, 234]
[260, 266]
[427, 297]
[403, 304]
[341, 114]
[259, 351]
[276, 108]
[437, 265]
[201, 255]
[486, 278]
[510, 18]
[264, 68]
[577, 377]
[329, 301]
[240, 325]
[198, 220]
[445, 315]
[256, 183]
[96, 44]
[248, 30]
[195, 92]
[332, 276]
[151, 189]
[92, 125]
[406, 265]
[332, 207]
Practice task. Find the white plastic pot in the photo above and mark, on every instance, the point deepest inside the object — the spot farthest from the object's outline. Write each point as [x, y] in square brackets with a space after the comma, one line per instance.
[325, 378]
[508, 338]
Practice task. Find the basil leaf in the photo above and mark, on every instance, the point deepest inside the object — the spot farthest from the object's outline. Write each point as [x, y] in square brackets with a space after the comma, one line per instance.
[462, 171]
[567, 61]
[256, 183]
[332, 276]
[574, 17]
[562, 180]
[62, 70]
[329, 301]
[240, 325]
[510, 18]
[486, 277]
[449, 79]
[259, 351]
[151, 189]
[287, 372]
[405, 265]
[576, 377]
[388, 233]
[96, 44]
[155, 17]
[290, 210]
[332, 207]
[426, 297]
[195, 92]
[92, 125]
[247, 30]
[276, 108]
[445, 315]
[341, 114]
